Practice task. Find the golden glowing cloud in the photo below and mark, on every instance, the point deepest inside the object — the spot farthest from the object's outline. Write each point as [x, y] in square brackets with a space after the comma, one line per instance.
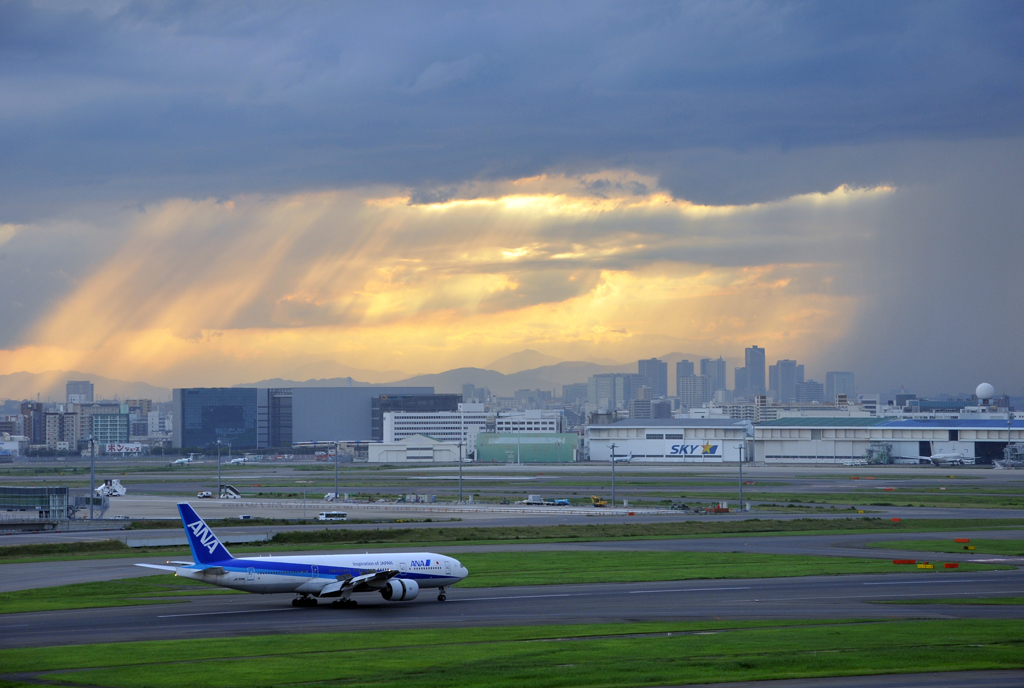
[599, 266]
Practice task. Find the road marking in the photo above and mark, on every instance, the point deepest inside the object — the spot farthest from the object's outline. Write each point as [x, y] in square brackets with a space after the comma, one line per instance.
[651, 592]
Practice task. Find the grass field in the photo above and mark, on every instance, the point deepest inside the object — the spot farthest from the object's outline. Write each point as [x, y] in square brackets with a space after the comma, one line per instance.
[124, 592]
[340, 537]
[543, 656]
[499, 569]
[982, 546]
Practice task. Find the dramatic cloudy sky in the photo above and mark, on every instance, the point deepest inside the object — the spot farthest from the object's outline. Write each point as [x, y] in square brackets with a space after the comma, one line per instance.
[201, 193]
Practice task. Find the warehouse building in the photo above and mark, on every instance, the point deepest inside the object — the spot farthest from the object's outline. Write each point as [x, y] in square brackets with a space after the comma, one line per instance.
[527, 448]
[413, 449]
[854, 440]
[676, 440]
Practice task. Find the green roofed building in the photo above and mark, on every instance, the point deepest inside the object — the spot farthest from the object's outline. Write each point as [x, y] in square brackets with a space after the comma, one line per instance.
[527, 447]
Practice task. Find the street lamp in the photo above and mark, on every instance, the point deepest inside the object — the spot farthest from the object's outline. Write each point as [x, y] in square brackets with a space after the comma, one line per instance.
[337, 456]
[613, 475]
[460, 471]
[92, 475]
[741, 447]
[218, 471]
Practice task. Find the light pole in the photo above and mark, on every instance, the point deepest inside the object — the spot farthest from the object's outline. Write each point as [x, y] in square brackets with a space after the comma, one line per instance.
[218, 471]
[613, 474]
[92, 475]
[460, 472]
[741, 476]
[337, 456]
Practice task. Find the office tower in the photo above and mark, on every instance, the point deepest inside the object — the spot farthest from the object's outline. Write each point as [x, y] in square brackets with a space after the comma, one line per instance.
[575, 393]
[739, 382]
[418, 403]
[655, 372]
[837, 383]
[754, 363]
[810, 391]
[684, 368]
[783, 377]
[694, 391]
[613, 390]
[79, 392]
[714, 369]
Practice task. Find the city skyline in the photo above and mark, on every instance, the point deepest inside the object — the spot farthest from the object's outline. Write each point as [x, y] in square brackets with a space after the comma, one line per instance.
[203, 195]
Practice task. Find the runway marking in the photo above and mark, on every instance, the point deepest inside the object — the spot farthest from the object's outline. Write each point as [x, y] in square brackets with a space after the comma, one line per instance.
[651, 592]
[241, 611]
[962, 580]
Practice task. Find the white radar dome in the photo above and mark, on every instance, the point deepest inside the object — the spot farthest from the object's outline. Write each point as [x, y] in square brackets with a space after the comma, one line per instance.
[985, 391]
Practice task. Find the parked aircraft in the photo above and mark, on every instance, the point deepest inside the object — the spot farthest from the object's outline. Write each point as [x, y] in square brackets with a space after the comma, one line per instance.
[186, 460]
[397, 577]
[948, 459]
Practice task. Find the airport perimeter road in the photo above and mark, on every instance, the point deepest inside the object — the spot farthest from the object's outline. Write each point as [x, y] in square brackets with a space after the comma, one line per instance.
[816, 597]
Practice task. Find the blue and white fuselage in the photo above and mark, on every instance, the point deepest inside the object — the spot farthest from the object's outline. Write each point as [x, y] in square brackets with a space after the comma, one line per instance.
[396, 576]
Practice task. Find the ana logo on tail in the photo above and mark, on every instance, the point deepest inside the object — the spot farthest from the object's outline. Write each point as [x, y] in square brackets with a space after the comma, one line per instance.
[205, 536]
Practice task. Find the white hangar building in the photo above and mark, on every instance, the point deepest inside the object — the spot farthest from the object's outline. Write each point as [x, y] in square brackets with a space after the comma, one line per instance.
[670, 440]
[842, 440]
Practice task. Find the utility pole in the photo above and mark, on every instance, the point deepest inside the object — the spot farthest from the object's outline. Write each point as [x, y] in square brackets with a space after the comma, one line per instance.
[741, 476]
[460, 472]
[613, 474]
[337, 455]
[219, 483]
[92, 475]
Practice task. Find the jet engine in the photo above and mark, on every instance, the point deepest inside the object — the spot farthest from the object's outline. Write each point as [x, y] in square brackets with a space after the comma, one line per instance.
[399, 589]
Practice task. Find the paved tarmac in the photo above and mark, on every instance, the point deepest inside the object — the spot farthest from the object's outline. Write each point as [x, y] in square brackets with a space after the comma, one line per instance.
[949, 679]
[815, 597]
[47, 574]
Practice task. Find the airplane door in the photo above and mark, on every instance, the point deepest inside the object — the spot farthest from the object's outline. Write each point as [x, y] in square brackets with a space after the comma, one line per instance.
[448, 568]
[251, 575]
[402, 566]
[316, 572]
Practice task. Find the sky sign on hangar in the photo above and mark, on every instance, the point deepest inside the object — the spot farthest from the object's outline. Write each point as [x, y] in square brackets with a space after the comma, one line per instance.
[692, 449]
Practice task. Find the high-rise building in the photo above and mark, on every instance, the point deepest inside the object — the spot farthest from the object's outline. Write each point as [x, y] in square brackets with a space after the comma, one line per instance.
[61, 431]
[837, 383]
[575, 393]
[452, 427]
[418, 403]
[109, 428]
[35, 424]
[79, 392]
[684, 368]
[655, 373]
[810, 391]
[740, 382]
[694, 391]
[782, 380]
[612, 390]
[754, 363]
[714, 369]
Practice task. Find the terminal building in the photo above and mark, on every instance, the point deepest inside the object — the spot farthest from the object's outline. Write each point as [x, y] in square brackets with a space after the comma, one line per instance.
[676, 440]
[856, 440]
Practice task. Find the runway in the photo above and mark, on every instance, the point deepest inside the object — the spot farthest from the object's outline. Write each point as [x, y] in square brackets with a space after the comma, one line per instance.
[816, 597]
[47, 574]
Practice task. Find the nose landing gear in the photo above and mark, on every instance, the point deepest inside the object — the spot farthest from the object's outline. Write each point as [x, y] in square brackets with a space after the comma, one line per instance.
[441, 596]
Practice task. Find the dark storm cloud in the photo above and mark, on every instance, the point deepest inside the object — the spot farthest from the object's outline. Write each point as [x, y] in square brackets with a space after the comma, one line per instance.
[153, 100]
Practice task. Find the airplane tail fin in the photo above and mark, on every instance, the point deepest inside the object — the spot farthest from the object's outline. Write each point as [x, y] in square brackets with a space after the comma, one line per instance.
[205, 546]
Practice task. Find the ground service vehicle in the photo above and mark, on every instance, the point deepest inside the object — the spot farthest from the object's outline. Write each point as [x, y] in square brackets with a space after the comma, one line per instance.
[332, 516]
[597, 501]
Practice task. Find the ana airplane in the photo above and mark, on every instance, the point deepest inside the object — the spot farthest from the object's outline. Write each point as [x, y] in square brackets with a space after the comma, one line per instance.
[397, 577]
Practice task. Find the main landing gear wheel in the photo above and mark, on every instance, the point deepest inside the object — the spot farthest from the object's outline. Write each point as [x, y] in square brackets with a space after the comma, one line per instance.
[344, 604]
[304, 602]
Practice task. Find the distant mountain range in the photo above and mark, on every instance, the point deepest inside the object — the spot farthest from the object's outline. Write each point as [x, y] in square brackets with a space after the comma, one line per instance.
[503, 377]
[50, 386]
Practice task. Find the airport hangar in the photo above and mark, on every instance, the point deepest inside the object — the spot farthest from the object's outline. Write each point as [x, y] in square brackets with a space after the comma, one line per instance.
[671, 440]
[842, 440]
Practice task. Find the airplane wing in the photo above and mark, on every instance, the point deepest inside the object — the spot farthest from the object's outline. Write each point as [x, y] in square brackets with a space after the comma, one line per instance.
[368, 582]
[158, 566]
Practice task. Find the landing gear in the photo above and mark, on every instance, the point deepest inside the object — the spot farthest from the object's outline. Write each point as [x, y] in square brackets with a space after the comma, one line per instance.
[304, 601]
[344, 604]
[441, 596]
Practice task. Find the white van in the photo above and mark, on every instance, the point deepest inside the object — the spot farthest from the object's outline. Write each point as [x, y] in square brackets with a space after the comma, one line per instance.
[332, 516]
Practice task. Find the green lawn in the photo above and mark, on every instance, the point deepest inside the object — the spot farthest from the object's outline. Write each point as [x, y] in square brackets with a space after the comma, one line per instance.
[1008, 547]
[608, 655]
[124, 592]
[340, 537]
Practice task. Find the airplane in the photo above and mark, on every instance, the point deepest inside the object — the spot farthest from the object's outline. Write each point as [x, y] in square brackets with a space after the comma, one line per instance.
[248, 458]
[947, 459]
[397, 577]
[624, 459]
[186, 460]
